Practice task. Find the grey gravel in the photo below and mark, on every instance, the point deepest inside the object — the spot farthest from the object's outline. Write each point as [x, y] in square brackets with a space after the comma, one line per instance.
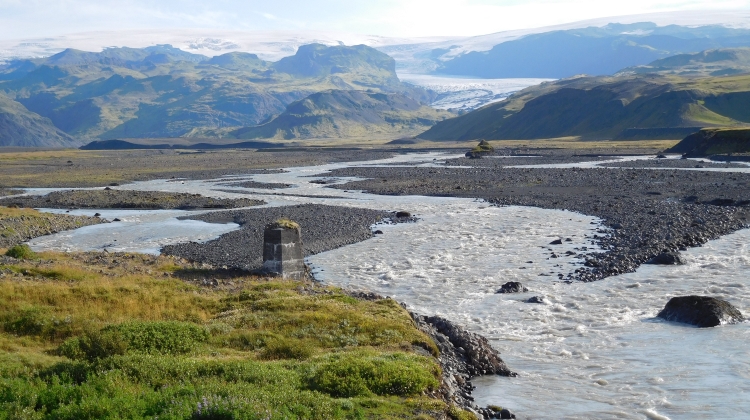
[323, 228]
[645, 212]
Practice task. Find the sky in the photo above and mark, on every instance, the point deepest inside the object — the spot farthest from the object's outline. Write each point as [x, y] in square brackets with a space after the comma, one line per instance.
[392, 18]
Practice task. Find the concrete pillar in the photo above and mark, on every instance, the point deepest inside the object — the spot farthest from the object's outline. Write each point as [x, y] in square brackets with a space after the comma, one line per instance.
[282, 250]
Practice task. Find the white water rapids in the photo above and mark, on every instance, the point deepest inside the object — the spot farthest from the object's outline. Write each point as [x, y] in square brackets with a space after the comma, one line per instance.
[594, 350]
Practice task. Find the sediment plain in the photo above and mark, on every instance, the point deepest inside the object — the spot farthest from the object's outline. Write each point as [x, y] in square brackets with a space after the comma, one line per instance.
[645, 211]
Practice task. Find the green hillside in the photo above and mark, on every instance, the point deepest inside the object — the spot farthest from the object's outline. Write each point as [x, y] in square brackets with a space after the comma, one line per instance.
[20, 127]
[719, 62]
[347, 113]
[660, 106]
[162, 91]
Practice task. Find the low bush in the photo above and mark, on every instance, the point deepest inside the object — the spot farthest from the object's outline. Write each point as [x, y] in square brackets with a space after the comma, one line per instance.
[37, 321]
[354, 375]
[287, 348]
[166, 337]
[21, 252]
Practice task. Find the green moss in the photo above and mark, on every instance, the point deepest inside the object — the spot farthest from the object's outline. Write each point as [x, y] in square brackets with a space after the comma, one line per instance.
[284, 223]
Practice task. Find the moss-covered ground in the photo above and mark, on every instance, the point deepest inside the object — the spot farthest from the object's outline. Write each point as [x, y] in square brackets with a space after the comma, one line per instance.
[97, 335]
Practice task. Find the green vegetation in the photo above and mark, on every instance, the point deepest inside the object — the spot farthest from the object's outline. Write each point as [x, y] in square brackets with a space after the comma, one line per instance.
[482, 148]
[129, 336]
[347, 113]
[286, 223]
[21, 252]
[593, 108]
[20, 225]
[718, 62]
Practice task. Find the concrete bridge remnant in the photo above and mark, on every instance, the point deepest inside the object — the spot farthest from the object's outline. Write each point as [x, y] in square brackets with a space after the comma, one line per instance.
[282, 250]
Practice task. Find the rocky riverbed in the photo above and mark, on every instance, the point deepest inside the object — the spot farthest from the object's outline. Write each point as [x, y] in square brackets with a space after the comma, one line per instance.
[324, 228]
[645, 212]
[672, 163]
[126, 199]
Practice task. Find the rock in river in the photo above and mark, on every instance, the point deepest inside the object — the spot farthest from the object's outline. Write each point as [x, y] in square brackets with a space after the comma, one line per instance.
[666, 258]
[701, 311]
[512, 287]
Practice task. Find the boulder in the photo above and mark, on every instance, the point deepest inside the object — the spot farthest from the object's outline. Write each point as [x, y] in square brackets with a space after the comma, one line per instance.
[537, 299]
[506, 414]
[556, 242]
[401, 214]
[701, 311]
[666, 258]
[512, 287]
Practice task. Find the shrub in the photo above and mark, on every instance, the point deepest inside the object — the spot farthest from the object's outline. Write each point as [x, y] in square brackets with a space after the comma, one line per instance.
[94, 345]
[168, 338]
[21, 252]
[37, 321]
[162, 337]
[353, 375]
[246, 340]
[284, 348]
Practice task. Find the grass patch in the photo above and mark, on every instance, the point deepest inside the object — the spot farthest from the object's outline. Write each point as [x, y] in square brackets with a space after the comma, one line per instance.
[118, 336]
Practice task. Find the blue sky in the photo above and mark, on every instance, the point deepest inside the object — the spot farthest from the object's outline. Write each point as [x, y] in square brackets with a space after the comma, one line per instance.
[409, 18]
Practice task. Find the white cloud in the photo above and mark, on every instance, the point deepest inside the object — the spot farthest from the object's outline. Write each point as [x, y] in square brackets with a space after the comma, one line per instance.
[36, 18]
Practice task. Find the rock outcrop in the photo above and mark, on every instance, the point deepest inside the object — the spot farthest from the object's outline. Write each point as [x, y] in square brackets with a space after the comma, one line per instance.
[701, 311]
[463, 356]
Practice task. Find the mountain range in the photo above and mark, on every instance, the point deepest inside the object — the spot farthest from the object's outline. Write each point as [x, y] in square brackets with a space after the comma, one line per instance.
[655, 82]
[161, 91]
[593, 50]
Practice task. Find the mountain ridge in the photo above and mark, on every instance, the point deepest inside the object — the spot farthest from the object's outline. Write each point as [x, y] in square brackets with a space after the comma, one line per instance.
[161, 91]
[346, 113]
[21, 128]
[605, 108]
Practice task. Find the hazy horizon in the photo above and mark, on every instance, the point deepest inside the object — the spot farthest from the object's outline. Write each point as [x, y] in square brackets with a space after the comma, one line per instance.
[385, 18]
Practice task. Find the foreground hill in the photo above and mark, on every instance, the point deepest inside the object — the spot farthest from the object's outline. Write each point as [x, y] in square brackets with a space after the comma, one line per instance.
[593, 50]
[162, 91]
[23, 128]
[347, 113]
[714, 142]
[635, 106]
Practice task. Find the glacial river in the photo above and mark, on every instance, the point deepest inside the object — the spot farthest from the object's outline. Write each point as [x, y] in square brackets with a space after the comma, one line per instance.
[592, 350]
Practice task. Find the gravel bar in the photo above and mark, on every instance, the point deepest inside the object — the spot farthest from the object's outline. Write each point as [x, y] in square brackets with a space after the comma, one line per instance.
[646, 212]
[126, 199]
[323, 228]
